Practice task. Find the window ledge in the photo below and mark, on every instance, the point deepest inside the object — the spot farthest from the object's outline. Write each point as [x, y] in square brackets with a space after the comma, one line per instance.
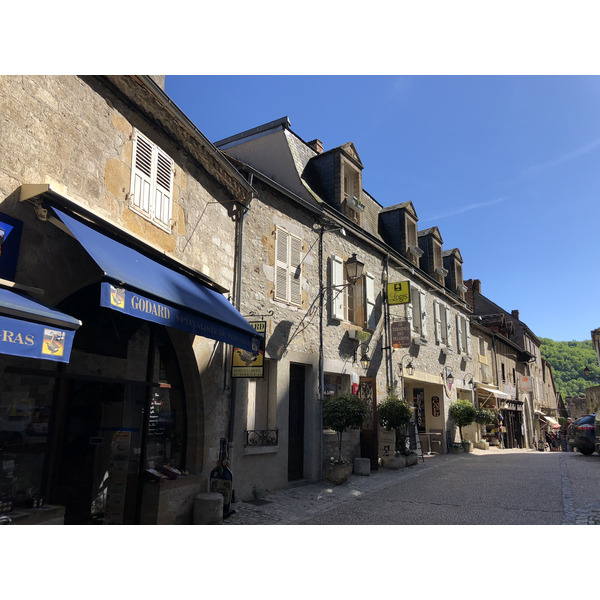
[252, 450]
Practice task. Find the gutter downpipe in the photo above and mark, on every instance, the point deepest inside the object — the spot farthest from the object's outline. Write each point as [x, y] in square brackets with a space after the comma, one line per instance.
[237, 294]
[389, 365]
[321, 365]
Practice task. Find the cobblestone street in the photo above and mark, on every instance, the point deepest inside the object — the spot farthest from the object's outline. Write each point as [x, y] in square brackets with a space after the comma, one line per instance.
[562, 489]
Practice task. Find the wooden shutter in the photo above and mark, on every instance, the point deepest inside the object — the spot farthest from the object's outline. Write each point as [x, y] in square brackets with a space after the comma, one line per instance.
[141, 183]
[163, 194]
[410, 313]
[448, 327]
[295, 270]
[468, 336]
[423, 315]
[438, 323]
[370, 301]
[459, 334]
[337, 293]
[281, 264]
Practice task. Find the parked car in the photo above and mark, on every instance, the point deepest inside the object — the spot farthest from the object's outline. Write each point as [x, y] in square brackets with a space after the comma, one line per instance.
[581, 434]
[597, 432]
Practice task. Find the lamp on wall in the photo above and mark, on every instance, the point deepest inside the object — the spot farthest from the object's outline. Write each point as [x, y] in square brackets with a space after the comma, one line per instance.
[354, 268]
[410, 370]
[365, 361]
[471, 382]
[449, 377]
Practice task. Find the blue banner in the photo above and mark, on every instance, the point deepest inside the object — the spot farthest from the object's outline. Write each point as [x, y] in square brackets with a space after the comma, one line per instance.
[136, 305]
[33, 340]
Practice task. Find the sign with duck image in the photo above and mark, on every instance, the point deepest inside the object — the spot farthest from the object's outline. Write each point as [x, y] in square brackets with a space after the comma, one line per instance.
[249, 364]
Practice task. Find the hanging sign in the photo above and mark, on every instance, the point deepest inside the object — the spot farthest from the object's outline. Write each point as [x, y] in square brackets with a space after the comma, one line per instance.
[248, 364]
[10, 242]
[400, 334]
[398, 293]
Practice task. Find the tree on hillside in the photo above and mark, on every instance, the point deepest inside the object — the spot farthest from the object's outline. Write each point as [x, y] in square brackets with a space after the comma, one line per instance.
[568, 360]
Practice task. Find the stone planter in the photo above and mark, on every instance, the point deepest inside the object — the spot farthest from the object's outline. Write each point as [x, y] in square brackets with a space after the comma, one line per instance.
[467, 446]
[336, 473]
[411, 460]
[456, 449]
[393, 462]
[482, 445]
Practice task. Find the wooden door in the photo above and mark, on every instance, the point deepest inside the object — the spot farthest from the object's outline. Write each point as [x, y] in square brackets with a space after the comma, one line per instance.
[369, 442]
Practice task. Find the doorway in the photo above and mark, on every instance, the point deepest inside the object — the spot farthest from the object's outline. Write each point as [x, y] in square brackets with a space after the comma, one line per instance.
[296, 423]
[369, 442]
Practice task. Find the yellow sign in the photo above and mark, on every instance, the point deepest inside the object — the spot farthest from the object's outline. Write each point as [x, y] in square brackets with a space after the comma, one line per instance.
[398, 293]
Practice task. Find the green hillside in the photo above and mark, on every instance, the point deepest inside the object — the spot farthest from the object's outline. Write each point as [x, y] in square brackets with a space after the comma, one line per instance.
[568, 360]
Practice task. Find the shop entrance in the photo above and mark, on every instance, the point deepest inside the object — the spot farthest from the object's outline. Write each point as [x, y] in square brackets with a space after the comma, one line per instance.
[296, 424]
[369, 443]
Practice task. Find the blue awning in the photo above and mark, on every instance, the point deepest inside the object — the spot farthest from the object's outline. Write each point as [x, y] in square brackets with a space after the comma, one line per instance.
[32, 329]
[142, 287]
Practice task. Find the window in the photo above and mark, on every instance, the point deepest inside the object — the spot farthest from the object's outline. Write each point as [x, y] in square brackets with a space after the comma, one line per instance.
[442, 324]
[352, 205]
[261, 422]
[463, 335]
[288, 270]
[353, 302]
[151, 192]
[416, 312]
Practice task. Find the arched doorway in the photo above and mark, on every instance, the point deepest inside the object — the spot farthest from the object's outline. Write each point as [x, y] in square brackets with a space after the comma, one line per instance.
[120, 416]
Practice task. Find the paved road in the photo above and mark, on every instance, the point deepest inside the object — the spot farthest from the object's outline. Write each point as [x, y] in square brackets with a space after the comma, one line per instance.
[495, 487]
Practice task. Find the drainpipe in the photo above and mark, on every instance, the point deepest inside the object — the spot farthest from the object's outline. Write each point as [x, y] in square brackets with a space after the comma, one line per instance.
[321, 365]
[389, 366]
[237, 294]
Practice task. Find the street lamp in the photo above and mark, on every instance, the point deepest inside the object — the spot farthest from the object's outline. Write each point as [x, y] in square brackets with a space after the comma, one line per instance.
[587, 374]
[365, 361]
[410, 370]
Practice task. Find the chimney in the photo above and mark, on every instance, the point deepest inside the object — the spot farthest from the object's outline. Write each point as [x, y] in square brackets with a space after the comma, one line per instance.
[515, 314]
[316, 145]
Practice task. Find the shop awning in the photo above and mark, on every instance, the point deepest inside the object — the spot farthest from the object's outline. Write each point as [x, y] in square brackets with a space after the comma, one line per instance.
[32, 329]
[144, 288]
[492, 391]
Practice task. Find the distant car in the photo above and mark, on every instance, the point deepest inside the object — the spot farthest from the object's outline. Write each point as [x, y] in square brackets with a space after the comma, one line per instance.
[597, 432]
[581, 434]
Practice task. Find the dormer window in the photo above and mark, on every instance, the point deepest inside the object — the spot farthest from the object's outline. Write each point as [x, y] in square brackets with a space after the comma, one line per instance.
[352, 204]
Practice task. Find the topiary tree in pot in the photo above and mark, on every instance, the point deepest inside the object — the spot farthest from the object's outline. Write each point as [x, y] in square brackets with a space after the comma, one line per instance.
[343, 412]
[484, 417]
[395, 414]
[462, 413]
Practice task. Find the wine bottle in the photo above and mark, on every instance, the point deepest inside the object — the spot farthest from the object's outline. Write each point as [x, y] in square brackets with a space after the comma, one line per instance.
[221, 478]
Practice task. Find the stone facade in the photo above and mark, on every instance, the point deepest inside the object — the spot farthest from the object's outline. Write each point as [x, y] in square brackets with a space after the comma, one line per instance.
[75, 135]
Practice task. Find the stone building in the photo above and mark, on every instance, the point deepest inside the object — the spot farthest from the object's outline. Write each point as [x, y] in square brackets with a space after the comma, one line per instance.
[121, 223]
[534, 382]
[310, 219]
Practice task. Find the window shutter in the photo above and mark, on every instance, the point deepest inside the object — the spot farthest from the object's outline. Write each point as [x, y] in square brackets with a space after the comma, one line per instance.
[281, 264]
[410, 312]
[468, 336]
[295, 272]
[141, 183]
[459, 334]
[438, 323]
[337, 293]
[370, 301]
[448, 327]
[423, 314]
[164, 185]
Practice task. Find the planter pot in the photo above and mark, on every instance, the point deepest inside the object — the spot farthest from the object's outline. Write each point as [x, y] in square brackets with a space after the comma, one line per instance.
[336, 473]
[411, 460]
[482, 445]
[393, 462]
[456, 449]
[468, 447]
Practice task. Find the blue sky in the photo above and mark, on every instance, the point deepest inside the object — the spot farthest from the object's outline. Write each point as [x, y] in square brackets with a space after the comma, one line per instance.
[505, 166]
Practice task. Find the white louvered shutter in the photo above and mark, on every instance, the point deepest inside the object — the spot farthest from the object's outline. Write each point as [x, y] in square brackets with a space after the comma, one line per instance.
[410, 315]
[370, 301]
[295, 271]
[423, 314]
[163, 194]
[438, 324]
[337, 293]
[448, 328]
[468, 336]
[459, 334]
[141, 184]
[281, 265]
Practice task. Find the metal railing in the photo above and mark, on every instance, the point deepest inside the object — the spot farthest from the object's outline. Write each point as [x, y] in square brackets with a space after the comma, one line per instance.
[262, 437]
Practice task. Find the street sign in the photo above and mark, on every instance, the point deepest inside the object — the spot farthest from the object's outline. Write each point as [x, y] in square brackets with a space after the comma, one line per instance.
[398, 293]
[247, 364]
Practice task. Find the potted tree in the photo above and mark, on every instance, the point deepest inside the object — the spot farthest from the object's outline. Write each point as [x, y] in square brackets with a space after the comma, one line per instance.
[483, 417]
[462, 413]
[340, 413]
[395, 414]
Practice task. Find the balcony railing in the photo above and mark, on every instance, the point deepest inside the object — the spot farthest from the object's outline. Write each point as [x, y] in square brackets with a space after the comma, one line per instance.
[262, 437]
